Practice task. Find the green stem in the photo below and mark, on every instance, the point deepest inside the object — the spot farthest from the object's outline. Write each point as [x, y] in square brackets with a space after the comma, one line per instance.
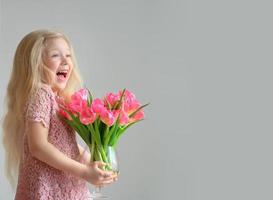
[97, 131]
[106, 137]
[92, 151]
[95, 134]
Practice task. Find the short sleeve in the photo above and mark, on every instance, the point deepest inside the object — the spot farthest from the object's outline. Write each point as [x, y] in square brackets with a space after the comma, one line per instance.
[39, 106]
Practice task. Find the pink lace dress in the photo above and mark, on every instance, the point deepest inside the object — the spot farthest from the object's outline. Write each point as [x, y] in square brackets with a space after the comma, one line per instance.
[37, 180]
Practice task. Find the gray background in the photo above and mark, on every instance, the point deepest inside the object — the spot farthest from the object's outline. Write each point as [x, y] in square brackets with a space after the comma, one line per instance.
[205, 66]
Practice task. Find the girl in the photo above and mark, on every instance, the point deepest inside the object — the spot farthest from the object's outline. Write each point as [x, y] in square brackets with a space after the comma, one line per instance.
[38, 145]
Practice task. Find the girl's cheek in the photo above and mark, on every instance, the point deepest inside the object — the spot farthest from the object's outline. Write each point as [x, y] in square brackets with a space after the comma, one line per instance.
[52, 64]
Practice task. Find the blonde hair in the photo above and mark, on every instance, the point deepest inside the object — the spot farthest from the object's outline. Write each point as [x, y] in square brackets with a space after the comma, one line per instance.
[28, 73]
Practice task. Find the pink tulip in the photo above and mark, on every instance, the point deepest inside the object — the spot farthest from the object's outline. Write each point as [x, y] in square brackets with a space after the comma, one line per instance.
[124, 118]
[130, 102]
[130, 107]
[87, 116]
[98, 106]
[64, 114]
[129, 96]
[78, 101]
[77, 106]
[107, 117]
[80, 95]
[112, 99]
[137, 116]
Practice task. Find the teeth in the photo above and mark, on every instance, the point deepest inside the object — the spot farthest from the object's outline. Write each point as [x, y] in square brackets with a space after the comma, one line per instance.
[63, 71]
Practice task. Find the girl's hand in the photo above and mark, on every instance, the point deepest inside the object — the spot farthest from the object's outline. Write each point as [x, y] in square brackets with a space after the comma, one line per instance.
[98, 177]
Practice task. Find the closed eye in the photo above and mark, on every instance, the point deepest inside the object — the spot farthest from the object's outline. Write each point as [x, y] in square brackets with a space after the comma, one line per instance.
[68, 55]
[55, 55]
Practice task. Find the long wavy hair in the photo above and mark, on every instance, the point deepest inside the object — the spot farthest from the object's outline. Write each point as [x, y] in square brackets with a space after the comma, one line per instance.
[28, 73]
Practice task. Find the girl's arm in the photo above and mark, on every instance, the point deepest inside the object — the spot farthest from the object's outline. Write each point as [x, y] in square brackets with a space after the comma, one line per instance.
[84, 154]
[43, 150]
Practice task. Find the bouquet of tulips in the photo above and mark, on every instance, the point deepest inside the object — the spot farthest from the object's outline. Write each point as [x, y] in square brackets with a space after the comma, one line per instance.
[101, 122]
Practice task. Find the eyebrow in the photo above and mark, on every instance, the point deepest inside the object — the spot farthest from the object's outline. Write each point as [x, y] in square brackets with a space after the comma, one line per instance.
[57, 49]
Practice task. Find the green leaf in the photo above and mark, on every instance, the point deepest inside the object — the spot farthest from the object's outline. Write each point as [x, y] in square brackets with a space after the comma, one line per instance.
[112, 132]
[90, 98]
[121, 131]
[95, 134]
[79, 128]
[97, 131]
[92, 150]
[132, 114]
[118, 103]
[109, 105]
[105, 136]
[113, 135]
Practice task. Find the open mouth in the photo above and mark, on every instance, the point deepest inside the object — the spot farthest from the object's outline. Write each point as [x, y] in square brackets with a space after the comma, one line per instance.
[62, 74]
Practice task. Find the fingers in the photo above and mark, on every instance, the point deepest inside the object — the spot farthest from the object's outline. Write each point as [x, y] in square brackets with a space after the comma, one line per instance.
[99, 164]
[107, 174]
[102, 177]
[105, 182]
[106, 177]
[115, 178]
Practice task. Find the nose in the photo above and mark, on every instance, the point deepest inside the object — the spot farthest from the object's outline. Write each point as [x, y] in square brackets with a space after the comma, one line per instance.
[64, 60]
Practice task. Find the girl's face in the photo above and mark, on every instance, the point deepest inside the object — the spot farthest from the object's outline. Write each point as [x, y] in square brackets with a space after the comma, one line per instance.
[57, 57]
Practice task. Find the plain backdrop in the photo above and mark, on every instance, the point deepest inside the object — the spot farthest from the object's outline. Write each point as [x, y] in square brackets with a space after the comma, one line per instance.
[205, 67]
